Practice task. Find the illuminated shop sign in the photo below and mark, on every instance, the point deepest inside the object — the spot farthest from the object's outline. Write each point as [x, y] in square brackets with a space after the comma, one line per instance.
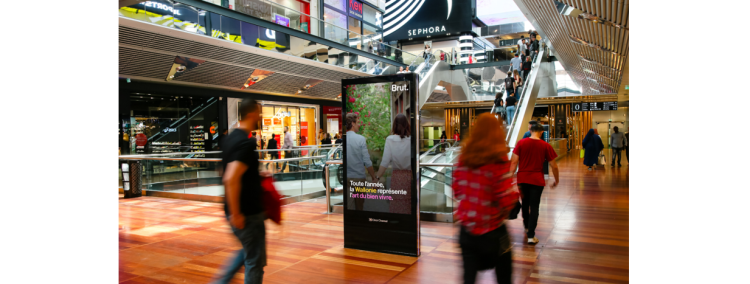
[355, 9]
[404, 19]
[160, 6]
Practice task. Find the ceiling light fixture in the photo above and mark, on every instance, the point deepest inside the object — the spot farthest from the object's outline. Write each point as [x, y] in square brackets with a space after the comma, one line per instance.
[567, 10]
[579, 40]
[595, 62]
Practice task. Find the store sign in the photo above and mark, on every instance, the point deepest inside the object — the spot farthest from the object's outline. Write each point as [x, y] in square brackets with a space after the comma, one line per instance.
[281, 20]
[160, 6]
[355, 9]
[332, 110]
[597, 106]
[408, 19]
[381, 215]
[255, 8]
[141, 139]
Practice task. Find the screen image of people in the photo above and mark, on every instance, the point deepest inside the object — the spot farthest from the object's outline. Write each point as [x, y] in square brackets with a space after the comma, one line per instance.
[378, 148]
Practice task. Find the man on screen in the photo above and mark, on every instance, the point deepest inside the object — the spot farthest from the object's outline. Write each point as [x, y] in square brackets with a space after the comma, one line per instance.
[357, 157]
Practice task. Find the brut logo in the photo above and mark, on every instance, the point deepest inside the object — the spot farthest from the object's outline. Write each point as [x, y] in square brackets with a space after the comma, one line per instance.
[397, 88]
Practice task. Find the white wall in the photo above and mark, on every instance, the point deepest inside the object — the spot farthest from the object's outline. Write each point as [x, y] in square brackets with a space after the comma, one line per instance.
[445, 46]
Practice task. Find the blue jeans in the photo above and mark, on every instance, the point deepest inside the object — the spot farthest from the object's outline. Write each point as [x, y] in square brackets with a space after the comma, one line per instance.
[253, 252]
[509, 112]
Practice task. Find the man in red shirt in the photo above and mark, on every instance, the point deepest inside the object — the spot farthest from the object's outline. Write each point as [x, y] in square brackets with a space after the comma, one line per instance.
[530, 155]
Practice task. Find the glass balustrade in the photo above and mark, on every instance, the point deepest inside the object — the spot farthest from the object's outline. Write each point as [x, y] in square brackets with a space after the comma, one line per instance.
[297, 172]
[181, 16]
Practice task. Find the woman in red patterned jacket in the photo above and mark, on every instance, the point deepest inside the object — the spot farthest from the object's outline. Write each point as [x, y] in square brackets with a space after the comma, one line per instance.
[483, 185]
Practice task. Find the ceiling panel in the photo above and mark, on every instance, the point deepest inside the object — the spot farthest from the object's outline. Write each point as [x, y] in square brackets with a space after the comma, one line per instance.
[148, 53]
[594, 54]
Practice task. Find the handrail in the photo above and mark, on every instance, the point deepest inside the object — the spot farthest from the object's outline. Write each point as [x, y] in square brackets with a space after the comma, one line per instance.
[433, 147]
[171, 154]
[436, 165]
[523, 91]
[216, 159]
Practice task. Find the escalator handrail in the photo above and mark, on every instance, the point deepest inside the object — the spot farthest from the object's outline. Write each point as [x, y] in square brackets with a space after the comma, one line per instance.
[523, 91]
[436, 145]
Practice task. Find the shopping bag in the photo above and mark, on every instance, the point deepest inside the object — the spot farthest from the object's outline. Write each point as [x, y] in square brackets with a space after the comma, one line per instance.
[583, 151]
[602, 160]
[271, 200]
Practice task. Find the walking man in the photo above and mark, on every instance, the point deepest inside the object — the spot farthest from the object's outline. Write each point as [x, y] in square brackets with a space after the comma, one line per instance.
[243, 203]
[288, 143]
[617, 141]
[530, 155]
[528, 133]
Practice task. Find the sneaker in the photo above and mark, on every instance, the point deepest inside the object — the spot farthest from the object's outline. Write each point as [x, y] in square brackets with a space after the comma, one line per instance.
[532, 241]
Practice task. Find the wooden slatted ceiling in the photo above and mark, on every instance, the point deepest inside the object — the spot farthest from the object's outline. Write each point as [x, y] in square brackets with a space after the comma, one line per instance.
[559, 28]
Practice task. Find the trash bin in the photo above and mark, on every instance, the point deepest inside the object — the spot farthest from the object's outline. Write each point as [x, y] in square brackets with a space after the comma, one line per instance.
[131, 178]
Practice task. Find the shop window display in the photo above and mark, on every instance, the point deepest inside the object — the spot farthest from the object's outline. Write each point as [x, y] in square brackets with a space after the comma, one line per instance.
[168, 124]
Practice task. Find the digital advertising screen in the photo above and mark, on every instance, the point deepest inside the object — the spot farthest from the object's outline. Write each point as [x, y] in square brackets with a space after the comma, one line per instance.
[380, 160]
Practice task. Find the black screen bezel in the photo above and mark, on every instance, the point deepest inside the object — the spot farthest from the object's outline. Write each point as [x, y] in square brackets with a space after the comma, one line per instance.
[400, 235]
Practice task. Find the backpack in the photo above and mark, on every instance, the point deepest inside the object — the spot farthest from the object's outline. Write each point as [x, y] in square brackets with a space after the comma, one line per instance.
[509, 82]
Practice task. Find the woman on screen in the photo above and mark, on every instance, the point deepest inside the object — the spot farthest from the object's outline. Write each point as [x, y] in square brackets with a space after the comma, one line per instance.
[397, 153]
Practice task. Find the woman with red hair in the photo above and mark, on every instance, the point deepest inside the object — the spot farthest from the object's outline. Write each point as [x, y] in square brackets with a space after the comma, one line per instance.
[483, 185]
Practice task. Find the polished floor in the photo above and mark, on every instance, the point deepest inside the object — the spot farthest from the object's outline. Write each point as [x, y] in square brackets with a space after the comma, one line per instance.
[583, 233]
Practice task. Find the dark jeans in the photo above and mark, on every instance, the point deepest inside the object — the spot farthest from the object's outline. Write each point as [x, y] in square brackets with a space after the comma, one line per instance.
[532, 196]
[491, 250]
[616, 153]
[253, 252]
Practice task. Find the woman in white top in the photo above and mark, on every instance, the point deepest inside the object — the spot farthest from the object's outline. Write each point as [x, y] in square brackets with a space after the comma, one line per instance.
[397, 154]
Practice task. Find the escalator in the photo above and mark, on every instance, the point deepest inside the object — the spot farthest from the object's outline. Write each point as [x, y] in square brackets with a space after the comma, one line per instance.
[433, 73]
[436, 200]
[529, 92]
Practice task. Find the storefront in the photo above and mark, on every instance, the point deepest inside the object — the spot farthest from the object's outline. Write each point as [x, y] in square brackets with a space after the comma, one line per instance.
[357, 18]
[160, 124]
[300, 118]
[334, 121]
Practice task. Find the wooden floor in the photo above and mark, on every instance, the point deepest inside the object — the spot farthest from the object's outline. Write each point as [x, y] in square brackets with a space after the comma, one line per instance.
[583, 233]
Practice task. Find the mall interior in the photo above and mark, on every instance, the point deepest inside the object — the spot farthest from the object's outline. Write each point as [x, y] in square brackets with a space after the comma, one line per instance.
[184, 67]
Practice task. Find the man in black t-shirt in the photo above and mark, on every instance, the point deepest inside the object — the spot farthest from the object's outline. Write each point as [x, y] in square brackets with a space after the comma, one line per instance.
[243, 202]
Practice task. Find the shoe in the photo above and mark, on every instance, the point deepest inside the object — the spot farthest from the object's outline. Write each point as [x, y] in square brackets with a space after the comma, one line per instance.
[532, 241]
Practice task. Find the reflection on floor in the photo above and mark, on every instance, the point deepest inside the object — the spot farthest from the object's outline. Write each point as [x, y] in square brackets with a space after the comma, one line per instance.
[583, 233]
